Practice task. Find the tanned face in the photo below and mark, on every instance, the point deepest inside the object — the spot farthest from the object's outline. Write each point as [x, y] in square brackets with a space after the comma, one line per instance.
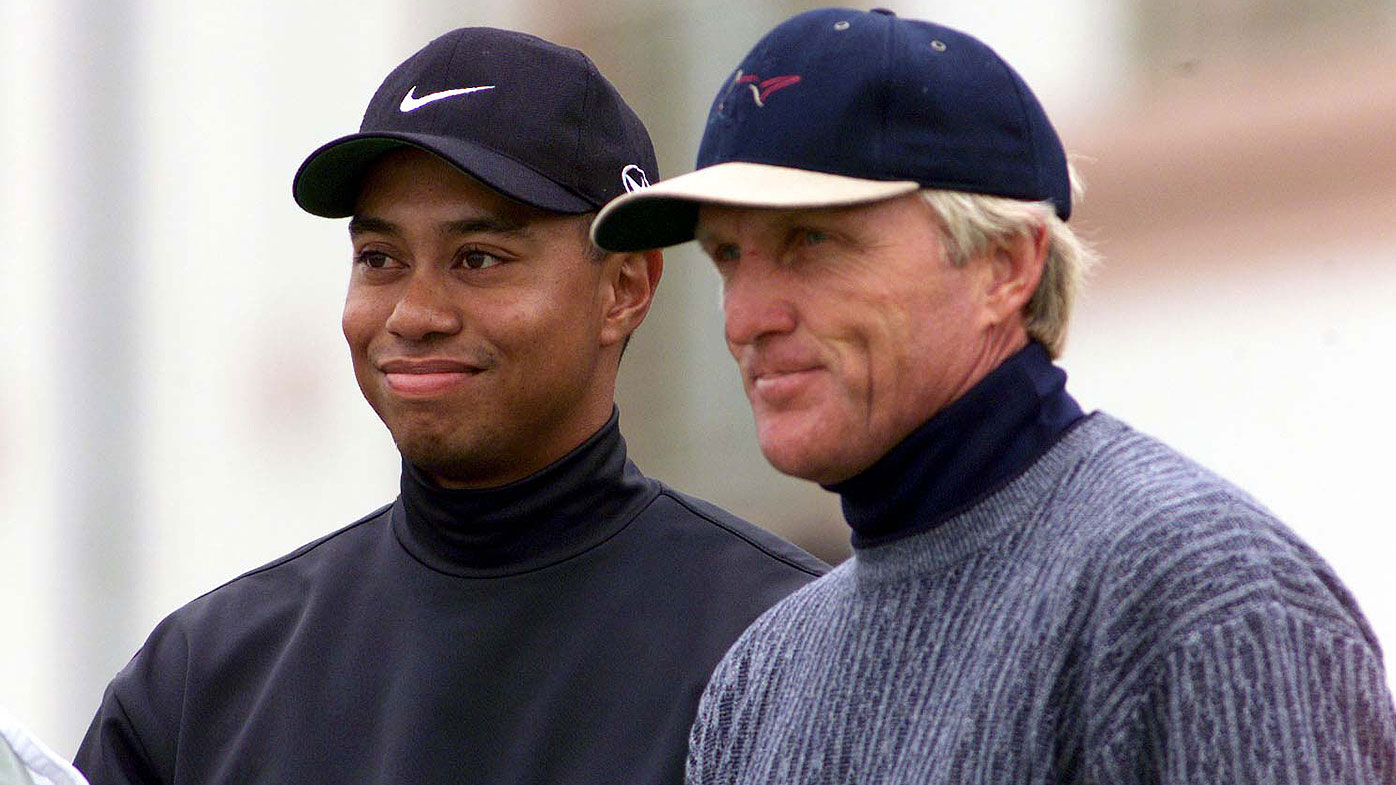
[851, 327]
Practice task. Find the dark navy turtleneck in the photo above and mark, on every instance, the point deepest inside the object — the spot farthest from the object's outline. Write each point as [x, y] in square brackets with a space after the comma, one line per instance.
[968, 450]
[558, 629]
[572, 504]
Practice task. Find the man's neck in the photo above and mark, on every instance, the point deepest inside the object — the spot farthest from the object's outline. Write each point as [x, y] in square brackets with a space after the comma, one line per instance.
[969, 449]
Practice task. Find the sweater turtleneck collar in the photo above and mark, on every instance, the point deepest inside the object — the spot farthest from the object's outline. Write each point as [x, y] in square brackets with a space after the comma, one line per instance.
[968, 450]
[573, 504]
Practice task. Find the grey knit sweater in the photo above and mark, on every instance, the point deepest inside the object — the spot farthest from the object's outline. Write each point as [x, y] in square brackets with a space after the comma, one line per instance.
[1116, 614]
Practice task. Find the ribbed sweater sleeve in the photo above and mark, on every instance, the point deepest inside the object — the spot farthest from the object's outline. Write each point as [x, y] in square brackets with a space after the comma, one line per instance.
[1268, 697]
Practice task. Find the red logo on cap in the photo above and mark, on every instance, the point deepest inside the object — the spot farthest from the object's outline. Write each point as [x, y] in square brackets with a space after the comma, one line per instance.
[761, 89]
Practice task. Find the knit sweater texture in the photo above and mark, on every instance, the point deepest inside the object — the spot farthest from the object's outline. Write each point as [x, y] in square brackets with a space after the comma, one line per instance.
[1115, 614]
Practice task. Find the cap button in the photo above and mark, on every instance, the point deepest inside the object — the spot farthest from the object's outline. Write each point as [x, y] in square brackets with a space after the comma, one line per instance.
[884, 11]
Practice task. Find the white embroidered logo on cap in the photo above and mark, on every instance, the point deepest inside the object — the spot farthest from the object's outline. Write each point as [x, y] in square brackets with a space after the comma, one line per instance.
[633, 178]
[410, 102]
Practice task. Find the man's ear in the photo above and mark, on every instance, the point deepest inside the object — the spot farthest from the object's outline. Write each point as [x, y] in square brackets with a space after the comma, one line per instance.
[1015, 267]
[631, 279]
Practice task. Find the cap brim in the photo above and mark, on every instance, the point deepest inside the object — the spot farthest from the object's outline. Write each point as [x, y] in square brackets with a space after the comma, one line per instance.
[327, 184]
[666, 213]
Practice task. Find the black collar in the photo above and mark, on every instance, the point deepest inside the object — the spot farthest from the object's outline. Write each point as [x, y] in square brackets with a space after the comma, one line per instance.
[574, 504]
[968, 450]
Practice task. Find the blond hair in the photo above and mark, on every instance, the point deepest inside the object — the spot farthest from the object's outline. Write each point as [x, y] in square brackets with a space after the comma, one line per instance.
[974, 224]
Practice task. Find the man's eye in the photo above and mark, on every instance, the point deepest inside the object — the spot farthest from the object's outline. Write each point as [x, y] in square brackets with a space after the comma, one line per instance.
[479, 260]
[727, 252]
[814, 237]
[375, 260]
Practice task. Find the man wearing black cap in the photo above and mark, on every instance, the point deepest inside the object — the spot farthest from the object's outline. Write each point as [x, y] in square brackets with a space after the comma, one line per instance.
[1036, 595]
[531, 609]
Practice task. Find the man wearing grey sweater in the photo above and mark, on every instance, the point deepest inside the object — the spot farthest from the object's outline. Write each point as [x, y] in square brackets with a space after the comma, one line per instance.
[1036, 595]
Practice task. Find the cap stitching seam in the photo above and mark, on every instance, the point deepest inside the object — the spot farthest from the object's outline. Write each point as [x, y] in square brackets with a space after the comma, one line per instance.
[884, 133]
[1034, 161]
[591, 74]
[450, 68]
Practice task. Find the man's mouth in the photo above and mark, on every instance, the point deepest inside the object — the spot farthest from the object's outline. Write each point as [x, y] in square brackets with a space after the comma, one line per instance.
[781, 383]
[424, 378]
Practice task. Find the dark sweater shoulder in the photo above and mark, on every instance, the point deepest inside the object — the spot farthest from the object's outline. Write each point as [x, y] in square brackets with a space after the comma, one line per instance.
[237, 627]
[703, 554]
[291, 577]
[725, 536]
[226, 621]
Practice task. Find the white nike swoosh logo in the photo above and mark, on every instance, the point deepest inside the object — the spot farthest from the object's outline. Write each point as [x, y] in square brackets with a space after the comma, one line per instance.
[410, 102]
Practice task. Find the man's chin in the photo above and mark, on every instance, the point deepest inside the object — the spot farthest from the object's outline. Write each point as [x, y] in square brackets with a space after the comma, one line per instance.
[813, 460]
[433, 453]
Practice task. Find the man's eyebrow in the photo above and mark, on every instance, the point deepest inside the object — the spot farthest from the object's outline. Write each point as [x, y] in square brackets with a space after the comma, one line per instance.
[487, 224]
[482, 224]
[366, 224]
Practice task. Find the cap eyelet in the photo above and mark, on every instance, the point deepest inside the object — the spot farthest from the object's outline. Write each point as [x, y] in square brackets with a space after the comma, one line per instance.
[939, 46]
[841, 26]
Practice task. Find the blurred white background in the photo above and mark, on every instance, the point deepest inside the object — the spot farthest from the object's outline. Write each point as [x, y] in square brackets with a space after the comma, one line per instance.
[177, 406]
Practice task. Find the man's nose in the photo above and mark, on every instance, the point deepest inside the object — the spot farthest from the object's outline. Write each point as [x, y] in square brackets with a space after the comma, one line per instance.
[756, 300]
[424, 309]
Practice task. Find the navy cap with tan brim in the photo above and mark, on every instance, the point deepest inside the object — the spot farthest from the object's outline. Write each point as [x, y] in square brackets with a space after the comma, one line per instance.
[837, 107]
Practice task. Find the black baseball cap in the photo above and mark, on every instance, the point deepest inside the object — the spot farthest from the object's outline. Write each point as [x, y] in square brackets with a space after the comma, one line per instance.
[530, 119]
[837, 107]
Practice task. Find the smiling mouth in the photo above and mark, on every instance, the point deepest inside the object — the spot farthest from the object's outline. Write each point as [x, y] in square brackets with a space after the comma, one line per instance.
[420, 385]
[774, 377]
[779, 385]
[426, 379]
